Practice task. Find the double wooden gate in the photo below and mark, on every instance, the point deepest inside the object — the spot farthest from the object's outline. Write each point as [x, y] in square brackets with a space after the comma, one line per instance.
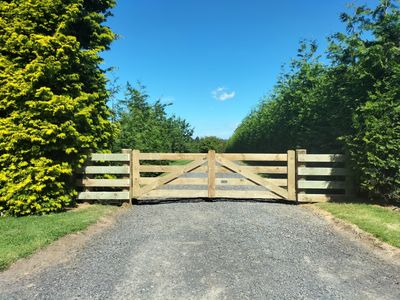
[285, 176]
[215, 176]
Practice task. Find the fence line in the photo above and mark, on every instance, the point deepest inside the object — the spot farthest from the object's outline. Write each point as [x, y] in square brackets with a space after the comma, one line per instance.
[295, 175]
[104, 180]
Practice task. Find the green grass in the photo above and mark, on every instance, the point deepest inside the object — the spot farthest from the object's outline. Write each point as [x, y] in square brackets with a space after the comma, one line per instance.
[20, 237]
[381, 222]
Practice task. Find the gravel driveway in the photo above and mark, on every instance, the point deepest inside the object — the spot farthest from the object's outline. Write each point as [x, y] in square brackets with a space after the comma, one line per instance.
[219, 250]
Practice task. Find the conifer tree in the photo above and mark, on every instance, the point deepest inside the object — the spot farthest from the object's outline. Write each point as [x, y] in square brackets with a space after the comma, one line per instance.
[53, 97]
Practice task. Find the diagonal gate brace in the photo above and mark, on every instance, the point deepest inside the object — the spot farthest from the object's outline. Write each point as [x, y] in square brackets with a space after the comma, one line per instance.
[253, 177]
[165, 179]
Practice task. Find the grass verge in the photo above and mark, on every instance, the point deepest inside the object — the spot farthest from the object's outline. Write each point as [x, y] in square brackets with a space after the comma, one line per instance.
[20, 237]
[381, 222]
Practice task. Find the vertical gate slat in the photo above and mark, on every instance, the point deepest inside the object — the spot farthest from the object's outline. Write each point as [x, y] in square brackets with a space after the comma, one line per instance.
[291, 174]
[135, 186]
[211, 173]
[129, 163]
[299, 152]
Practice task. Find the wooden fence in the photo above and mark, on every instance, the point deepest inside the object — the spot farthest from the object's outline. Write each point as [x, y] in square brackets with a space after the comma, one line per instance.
[294, 175]
[106, 177]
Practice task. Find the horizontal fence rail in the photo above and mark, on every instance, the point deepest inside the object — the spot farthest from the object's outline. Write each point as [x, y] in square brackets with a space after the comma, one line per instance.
[322, 177]
[295, 175]
[105, 180]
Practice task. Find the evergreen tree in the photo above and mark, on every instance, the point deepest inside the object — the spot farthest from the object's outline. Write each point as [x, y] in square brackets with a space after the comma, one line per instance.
[53, 97]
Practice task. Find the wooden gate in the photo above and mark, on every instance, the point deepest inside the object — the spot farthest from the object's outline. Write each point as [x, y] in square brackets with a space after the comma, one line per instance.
[294, 175]
[245, 176]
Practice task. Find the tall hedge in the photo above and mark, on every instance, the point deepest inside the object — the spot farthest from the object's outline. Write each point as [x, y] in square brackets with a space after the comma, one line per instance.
[52, 99]
[206, 143]
[349, 103]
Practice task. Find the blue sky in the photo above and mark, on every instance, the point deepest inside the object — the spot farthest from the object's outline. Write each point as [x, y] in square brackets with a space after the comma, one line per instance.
[214, 59]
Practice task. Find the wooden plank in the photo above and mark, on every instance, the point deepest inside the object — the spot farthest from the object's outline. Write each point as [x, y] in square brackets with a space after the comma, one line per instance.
[211, 173]
[321, 171]
[291, 177]
[201, 169]
[253, 169]
[255, 156]
[175, 194]
[159, 169]
[177, 181]
[253, 177]
[319, 184]
[172, 156]
[320, 197]
[299, 165]
[103, 182]
[104, 170]
[165, 179]
[147, 180]
[278, 181]
[246, 194]
[218, 169]
[321, 158]
[110, 157]
[218, 181]
[129, 176]
[104, 196]
[265, 170]
[135, 173]
[234, 181]
[222, 170]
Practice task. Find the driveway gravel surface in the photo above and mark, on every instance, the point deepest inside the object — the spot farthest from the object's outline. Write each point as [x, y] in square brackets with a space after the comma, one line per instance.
[215, 250]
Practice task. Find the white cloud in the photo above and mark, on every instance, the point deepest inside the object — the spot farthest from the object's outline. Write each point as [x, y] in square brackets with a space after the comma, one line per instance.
[222, 94]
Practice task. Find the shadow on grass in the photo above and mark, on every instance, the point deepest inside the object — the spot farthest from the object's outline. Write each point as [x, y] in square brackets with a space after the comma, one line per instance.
[363, 199]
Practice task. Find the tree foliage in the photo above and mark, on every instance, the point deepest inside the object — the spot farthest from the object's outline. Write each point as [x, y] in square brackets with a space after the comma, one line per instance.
[351, 103]
[52, 99]
[206, 143]
[147, 127]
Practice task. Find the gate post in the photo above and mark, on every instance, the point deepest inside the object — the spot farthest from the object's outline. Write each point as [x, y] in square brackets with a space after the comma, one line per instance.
[211, 173]
[135, 165]
[299, 165]
[291, 175]
[129, 164]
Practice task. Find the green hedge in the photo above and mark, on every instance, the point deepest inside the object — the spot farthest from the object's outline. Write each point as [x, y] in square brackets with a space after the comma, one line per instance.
[52, 99]
[351, 103]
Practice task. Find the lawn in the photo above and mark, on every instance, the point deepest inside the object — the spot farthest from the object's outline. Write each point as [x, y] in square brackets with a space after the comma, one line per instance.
[381, 222]
[20, 237]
